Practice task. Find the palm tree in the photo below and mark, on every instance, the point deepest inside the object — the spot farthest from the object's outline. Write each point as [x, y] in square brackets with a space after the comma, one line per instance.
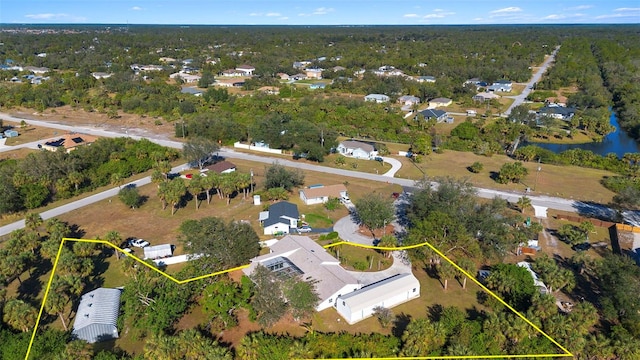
[116, 179]
[446, 272]
[196, 186]
[207, 184]
[469, 267]
[163, 191]
[228, 186]
[157, 177]
[32, 221]
[55, 305]
[76, 179]
[78, 350]
[244, 183]
[19, 315]
[31, 241]
[175, 192]
[523, 203]
[587, 227]
[114, 237]
[56, 228]
[165, 168]
[388, 241]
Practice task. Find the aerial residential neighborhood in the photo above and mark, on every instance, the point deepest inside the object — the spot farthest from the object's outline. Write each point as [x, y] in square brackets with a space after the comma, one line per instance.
[251, 187]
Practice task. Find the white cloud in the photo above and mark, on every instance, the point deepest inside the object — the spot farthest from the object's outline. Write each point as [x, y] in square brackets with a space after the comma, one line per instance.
[273, 14]
[136, 8]
[59, 16]
[478, 19]
[255, 14]
[554, 17]
[322, 11]
[627, 9]
[507, 10]
[580, 7]
[438, 14]
[411, 15]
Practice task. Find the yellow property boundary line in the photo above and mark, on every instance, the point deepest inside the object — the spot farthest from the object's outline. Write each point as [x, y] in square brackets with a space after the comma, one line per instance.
[473, 278]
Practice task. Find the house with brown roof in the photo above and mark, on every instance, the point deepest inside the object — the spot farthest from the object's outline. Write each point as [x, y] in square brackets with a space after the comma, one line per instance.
[69, 142]
[222, 167]
[320, 194]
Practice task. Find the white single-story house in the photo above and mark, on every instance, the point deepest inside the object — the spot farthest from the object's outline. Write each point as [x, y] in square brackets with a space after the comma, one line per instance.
[357, 149]
[379, 98]
[428, 79]
[557, 112]
[280, 218]
[500, 85]
[295, 255]
[36, 70]
[158, 251]
[409, 100]
[188, 78]
[101, 75]
[246, 70]
[97, 316]
[485, 96]
[437, 102]
[313, 73]
[387, 293]
[320, 194]
[231, 73]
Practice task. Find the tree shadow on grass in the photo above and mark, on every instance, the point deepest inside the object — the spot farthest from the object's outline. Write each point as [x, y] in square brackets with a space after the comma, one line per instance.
[400, 324]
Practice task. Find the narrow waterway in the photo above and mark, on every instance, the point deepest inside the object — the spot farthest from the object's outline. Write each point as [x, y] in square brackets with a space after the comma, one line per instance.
[617, 142]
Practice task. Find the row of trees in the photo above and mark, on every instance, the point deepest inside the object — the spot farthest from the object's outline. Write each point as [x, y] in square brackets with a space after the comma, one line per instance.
[46, 176]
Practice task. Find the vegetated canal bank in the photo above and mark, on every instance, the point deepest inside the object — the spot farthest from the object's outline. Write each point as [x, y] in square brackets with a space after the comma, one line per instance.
[618, 142]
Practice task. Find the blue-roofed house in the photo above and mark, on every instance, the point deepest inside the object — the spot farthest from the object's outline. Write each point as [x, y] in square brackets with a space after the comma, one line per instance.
[192, 91]
[97, 316]
[280, 218]
[318, 85]
[438, 115]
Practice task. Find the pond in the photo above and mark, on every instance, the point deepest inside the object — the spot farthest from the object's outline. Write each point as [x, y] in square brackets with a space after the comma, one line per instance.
[617, 142]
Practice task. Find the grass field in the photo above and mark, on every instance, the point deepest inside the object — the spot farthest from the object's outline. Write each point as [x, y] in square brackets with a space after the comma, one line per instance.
[31, 133]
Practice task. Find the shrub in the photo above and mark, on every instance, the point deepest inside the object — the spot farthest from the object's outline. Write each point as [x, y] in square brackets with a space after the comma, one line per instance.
[476, 167]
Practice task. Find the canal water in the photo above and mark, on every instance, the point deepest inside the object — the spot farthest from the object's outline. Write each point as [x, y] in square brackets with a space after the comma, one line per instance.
[617, 142]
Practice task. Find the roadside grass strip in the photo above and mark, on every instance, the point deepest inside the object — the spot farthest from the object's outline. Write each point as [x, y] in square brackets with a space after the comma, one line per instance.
[566, 353]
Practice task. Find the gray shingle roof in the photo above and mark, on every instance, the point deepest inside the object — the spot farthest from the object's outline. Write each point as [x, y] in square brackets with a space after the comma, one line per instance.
[278, 210]
[352, 144]
[97, 315]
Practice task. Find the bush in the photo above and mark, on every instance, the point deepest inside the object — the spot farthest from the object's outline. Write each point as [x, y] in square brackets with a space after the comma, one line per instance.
[332, 204]
[476, 167]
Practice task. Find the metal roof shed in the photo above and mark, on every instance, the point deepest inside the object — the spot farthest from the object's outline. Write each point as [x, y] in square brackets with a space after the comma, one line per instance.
[97, 315]
[158, 251]
[392, 291]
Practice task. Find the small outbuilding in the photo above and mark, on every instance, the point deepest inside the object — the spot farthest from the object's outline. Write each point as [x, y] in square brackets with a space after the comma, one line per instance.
[10, 133]
[97, 316]
[387, 293]
[158, 251]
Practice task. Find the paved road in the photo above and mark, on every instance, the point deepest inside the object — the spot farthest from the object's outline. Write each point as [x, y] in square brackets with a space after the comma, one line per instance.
[550, 202]
[519, 99]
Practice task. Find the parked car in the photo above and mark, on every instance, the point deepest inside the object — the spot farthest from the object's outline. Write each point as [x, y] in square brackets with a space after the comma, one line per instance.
[138, 243]
[304, 229]
[379, 159]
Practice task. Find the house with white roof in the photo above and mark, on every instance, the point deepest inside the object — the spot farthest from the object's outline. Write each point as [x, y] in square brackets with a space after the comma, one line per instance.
[97, 316]
[246, 70]
[357, 149]
[379, 98]
[438, 102]
[386, 293]
[301, 256]
[320, 194]
[408, 100]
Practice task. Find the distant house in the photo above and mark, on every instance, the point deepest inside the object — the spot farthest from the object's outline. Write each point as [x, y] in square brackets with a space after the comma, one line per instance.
[321, 194]
[556, 100]
[485, 96]
[357, 149]
[438, 102]
[101, 75]
[536, 282]
[409, 100]
[270, 90]
[188, 78]
[222, 167]
[438, 115]
[167, 59]
[10, 133]
[192, 91]
[317, 86]
[246, 70]
[557, 112]
[379, 98]
[297, 77]
[36, 70]
[283, 76]
[427, 79]
[387, 293]
[500, 85]
[69, 142]
[388, 70]
[158, 251]
[300, 256]
[313, 73]
[338, 68]
[476, 82]
[232, 73]
[280, 218]
[97, 316]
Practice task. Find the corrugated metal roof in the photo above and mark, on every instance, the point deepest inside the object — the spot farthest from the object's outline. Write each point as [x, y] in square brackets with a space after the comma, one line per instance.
[97, 315]
[158, 251]
[377, 292]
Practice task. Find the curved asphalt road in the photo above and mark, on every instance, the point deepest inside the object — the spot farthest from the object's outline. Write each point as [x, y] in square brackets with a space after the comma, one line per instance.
[550, 202]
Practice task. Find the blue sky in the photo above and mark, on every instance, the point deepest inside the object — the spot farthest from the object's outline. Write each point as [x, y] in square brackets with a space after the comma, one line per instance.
[320, 12]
